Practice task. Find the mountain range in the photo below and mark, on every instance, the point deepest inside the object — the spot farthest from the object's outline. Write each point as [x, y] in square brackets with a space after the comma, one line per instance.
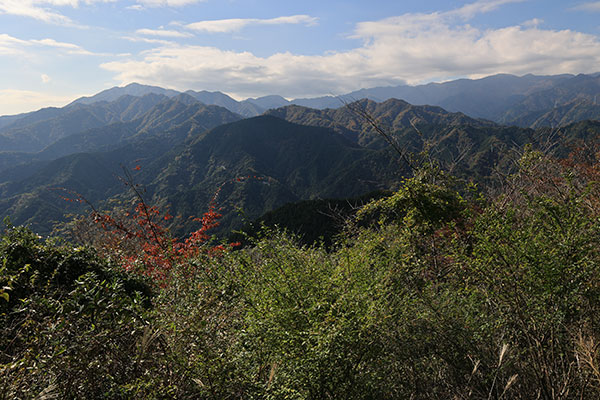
[259, 154]
[507, 99]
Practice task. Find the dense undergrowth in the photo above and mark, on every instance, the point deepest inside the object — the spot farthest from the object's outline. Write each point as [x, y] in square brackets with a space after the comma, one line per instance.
[436, 292]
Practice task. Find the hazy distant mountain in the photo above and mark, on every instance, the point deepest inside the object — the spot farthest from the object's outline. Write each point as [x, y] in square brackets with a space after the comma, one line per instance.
[39, 115]
[392, 115]
[501, 98]
[35, 131]
[174, 118]
[245, 108]
[327, 101]
[480, 98]
[9, 119]
[568, 101]
[267, 102]
[528, 101]
[577, 110]
[133, 89]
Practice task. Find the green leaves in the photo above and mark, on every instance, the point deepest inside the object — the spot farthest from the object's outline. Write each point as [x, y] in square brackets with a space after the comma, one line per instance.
[435, 293]
[70, 320]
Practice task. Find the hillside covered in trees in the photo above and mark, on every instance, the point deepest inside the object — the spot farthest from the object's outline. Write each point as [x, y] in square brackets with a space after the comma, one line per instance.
[439, 290]
[154, 246]
[187, 151]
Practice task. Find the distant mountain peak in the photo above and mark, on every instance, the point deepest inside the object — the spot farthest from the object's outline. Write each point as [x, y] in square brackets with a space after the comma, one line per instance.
[132, 89]
[186, 99]
[502, 98]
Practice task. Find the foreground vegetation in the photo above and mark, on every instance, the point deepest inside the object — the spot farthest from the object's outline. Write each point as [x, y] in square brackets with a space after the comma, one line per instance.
[435, 292]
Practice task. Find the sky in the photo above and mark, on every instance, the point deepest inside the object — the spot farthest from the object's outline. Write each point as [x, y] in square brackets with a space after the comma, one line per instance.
[54, 51]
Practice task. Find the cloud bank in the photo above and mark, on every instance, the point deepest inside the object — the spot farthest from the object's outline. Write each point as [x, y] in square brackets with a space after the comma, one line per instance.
[412, 47]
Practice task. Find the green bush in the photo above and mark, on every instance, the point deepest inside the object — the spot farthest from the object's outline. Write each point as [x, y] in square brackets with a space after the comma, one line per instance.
[71, 323]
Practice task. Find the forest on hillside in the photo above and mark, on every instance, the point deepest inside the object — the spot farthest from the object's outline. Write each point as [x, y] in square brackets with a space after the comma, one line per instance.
[442, 289]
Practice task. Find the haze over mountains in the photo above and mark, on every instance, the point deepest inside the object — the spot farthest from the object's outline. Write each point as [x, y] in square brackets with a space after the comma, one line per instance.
[191, 145]
[501, 98]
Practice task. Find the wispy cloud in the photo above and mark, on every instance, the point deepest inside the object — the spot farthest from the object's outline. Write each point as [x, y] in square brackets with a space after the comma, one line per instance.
[71, 3]
[149, 40]
[45, 10]
[24, 8]
[10, 45]
[468, 11]
[14, 46]
[38, 9]
[235, 24]
[420, 22]
[593, 6]
[412, 47]
[69, 48]
[168, 3]
[162, 33]
[533, 23]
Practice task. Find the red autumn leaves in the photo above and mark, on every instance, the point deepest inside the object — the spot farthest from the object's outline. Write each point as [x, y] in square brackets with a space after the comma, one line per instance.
[141, 242]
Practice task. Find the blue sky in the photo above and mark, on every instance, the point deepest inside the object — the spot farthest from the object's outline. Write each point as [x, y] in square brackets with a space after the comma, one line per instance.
[53, 51]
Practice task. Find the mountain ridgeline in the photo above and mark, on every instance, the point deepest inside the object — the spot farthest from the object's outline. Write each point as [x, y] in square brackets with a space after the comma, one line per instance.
[184, 148]
[503, 98]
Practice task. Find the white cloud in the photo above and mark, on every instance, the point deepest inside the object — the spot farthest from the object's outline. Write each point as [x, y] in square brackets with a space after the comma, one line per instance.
[419, 22]
[422, 47]
[26, 8]
[593, 6]
[45, 78]
[533, 23]
[15, 101]
[479, 7]
[10, 45]
[71, 3]
[15, 46]
[42, 9]
[244, 74]
[69, 48]
[37, 9]
[168, 3]
[235, 24]
[148, 40]
[162, 32]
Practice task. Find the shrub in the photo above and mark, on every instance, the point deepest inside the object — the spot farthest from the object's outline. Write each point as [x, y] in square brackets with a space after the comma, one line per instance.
[71, 324]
